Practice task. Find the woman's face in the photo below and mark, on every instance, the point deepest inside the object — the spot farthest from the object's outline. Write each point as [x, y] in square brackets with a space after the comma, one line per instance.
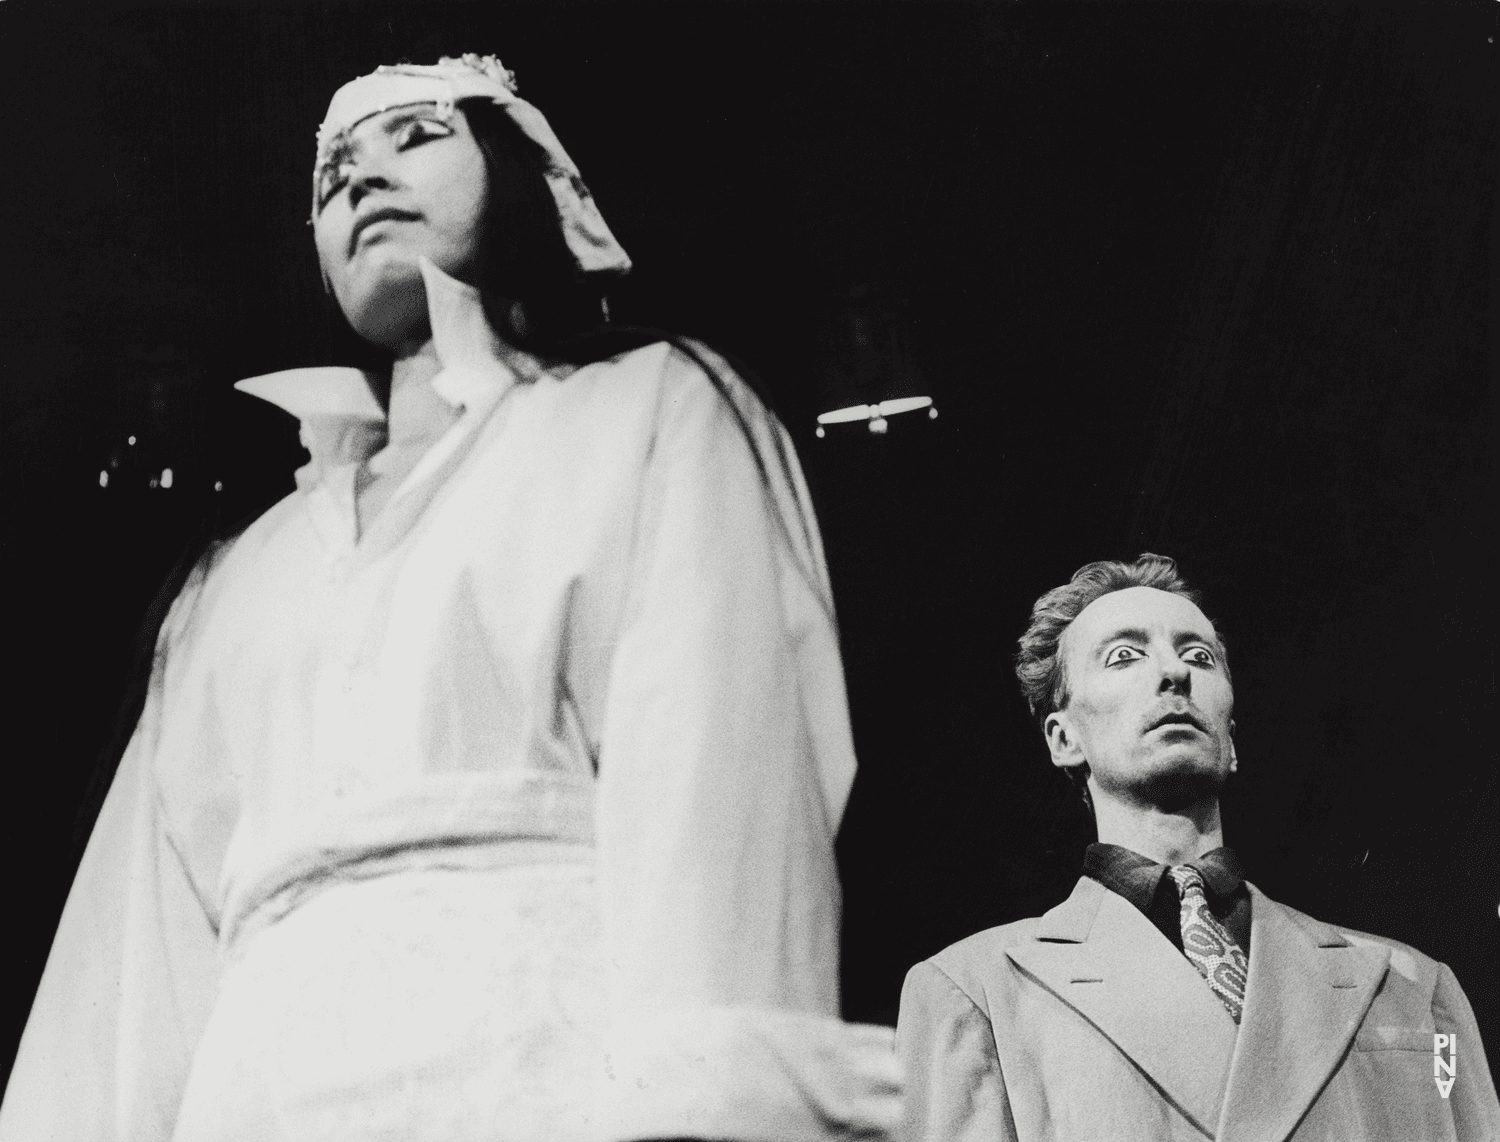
[407, 182]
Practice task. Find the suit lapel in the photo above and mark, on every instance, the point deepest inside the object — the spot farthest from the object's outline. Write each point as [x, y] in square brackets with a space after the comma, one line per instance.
[1099, 955]
[1307, 993]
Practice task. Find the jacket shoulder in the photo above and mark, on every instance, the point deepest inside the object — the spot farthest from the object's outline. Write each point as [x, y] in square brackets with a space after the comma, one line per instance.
[1416, 966]
[975, 960]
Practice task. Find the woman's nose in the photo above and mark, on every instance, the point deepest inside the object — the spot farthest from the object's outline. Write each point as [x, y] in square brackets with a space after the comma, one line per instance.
[364, 180]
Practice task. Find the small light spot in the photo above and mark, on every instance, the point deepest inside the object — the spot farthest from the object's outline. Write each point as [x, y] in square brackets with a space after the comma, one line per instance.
[166, 477]
[104, 479]
[932, 414]
[218, 485]
[155, 483]
[878, 425]
[130, 440]
[820, 432]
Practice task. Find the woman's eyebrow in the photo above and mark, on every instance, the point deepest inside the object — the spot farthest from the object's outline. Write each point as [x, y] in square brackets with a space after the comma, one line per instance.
[401, 116]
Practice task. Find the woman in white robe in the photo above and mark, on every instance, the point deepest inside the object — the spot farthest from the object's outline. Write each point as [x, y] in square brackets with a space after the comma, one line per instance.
[486, 786]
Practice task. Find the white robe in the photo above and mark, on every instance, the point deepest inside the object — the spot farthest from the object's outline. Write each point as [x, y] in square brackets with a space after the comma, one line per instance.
[561, 741]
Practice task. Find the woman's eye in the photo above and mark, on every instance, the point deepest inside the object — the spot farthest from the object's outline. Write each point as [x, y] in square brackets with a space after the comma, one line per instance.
[1122, 654]
[420, 131]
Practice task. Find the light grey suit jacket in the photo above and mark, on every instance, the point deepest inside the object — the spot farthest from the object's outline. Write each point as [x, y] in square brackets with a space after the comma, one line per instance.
[1088, 1024]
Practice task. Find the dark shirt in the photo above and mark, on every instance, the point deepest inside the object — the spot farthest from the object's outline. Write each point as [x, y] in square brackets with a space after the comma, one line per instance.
[1146, 884]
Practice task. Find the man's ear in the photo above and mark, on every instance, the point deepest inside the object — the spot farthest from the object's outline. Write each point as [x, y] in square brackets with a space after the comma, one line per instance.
[1234, 758]
[1062, 741]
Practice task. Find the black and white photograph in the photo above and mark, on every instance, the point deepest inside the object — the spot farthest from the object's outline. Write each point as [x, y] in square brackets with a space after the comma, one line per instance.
[778, 571]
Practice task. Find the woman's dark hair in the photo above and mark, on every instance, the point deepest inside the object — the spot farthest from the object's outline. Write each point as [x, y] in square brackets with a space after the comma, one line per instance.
[523, 256]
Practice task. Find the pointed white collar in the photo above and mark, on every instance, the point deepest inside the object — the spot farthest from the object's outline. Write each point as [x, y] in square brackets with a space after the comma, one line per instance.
[341, 420]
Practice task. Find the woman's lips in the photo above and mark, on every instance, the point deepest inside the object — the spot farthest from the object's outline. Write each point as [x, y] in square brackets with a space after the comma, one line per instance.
[373, 219]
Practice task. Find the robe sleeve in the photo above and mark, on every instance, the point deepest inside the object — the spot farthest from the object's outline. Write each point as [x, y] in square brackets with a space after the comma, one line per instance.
[724, 764]
[132, 972]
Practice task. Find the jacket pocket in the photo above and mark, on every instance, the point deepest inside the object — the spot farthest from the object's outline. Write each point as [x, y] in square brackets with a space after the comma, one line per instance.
[1386, 1038]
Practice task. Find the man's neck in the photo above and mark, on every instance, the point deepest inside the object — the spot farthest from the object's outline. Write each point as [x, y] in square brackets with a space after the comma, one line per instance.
[1170, 837]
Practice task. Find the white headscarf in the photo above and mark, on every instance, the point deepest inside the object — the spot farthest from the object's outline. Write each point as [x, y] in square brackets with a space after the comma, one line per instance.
[447, 83]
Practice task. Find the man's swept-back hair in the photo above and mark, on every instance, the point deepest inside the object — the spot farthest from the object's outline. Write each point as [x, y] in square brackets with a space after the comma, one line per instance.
[1039, 666]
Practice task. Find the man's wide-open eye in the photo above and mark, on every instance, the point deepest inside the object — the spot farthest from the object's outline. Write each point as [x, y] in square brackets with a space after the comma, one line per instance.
[1199, 656]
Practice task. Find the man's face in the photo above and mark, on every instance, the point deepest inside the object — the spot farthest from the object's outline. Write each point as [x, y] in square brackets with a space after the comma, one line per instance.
[1150, 706]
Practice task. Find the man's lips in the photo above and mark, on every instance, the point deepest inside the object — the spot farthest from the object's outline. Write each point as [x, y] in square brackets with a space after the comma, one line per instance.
[384, 214]
[1178, 718]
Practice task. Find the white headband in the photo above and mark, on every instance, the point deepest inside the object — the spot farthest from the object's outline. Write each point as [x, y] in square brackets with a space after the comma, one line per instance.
[449, 82]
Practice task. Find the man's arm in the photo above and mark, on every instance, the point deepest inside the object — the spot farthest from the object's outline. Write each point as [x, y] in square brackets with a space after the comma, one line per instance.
[955, 1091]
[1476, 1111]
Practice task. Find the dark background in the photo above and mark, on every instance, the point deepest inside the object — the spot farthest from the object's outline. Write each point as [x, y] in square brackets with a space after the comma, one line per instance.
[1213, 281]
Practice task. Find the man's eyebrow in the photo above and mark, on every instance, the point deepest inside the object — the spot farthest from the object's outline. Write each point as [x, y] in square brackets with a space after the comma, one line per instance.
[1128, 634]
[1183, 637]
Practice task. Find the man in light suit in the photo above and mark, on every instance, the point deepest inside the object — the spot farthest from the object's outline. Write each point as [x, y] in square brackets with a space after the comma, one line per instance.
[1168, 998]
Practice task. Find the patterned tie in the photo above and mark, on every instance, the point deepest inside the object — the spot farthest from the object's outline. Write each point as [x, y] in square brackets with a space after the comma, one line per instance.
[1208, 944]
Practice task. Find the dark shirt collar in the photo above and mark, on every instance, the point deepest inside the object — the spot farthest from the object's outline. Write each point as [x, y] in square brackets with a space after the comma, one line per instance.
[1137, 878]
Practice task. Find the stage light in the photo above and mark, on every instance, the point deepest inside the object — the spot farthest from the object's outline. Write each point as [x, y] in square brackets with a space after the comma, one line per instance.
[166, 477]
[104, 479]
[903, 404]
[876, 414]
[844, 415]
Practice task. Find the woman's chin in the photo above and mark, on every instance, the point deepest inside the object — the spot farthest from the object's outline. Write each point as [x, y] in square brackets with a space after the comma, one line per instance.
[388, 308]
